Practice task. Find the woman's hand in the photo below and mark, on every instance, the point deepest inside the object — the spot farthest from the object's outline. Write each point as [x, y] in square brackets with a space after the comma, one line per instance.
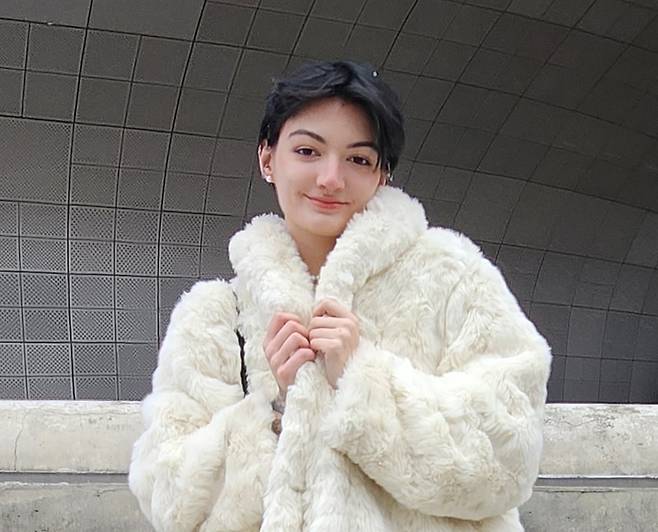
[334, 332]
[286, 347]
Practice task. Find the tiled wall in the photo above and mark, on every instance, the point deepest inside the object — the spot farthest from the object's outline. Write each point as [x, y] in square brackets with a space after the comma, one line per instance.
[127, 159]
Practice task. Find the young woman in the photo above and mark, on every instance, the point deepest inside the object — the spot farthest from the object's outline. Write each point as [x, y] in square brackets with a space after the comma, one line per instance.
[394, 383]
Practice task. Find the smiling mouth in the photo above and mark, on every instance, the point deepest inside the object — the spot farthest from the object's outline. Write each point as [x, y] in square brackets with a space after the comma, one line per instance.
[324, 203]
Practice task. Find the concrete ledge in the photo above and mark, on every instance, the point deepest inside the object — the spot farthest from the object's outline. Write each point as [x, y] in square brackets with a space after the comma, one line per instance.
[63, 466]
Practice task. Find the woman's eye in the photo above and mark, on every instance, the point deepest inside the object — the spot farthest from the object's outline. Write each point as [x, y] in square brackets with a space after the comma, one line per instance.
[304, 151]
[361, 161]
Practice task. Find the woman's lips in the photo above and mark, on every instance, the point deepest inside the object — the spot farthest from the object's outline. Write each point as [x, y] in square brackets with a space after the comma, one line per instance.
[326, 205]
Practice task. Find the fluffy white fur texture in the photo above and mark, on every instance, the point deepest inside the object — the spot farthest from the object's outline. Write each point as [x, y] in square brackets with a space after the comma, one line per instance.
[436, 423]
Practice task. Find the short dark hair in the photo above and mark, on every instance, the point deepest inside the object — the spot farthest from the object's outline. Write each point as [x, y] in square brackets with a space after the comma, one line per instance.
[353, 82]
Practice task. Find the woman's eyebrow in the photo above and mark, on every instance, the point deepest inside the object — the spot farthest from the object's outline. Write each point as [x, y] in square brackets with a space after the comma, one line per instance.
[317, 137]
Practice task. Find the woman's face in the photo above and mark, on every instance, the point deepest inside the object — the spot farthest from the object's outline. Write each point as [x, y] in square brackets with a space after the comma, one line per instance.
[323, 167]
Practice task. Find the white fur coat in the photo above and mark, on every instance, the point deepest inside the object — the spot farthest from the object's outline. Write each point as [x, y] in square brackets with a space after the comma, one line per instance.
[435, 425]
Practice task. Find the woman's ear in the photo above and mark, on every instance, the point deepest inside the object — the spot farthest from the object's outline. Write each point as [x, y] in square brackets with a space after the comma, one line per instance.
[265, 158]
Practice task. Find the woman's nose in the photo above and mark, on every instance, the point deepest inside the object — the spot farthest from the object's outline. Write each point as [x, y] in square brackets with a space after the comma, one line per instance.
[330, 176]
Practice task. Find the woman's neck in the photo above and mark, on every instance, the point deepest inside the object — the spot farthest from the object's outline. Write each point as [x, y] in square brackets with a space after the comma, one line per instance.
[313, 249]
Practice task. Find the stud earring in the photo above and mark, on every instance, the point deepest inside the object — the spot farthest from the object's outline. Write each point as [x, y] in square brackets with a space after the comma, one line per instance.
[268, 178]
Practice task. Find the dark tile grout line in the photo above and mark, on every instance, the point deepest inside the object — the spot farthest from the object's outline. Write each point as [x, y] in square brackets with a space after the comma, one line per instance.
[167, 159]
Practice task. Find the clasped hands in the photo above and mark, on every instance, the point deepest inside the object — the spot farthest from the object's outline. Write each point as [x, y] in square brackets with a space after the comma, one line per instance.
[333, 333]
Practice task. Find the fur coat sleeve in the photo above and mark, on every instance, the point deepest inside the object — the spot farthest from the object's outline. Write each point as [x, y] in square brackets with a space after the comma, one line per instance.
[204, 458]
[466, 440]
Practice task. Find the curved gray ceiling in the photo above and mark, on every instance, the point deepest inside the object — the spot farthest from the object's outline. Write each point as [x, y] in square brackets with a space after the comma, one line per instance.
[127, 158]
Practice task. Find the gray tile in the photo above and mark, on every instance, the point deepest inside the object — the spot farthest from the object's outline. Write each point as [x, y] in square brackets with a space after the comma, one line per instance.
[191, 153]
[185, 192]
[49, 388]
[601, 15]
[94, 359]
[369, 45]
[647, 339]
[97, 388]
[449, 59]
[471, 25]
[199, 112]
[531, 8]
[345, 10]
[561, 168]
[488, 207]
[583, 369]
[300, 7]
[452, 184]
[277, 31]
[218, 230]
[144, 149]
[11, 360]
[611, 100]
[632, 288]
[137, 226]
[96, 145]
[410, 53]
[586, 328]
[161, 60]
[561, 86]
[614, 392]
[426, 98]
[215, 264]
[44, 255]
[322, 39]
[91, 257]
[234, 158]
[579, 218]
[152, 106]
[512, 157]
[242, 117]
[136, 259]
[179, 261]
[631, 68]
[614, 235]
[500, 71]
[558, 278]
[49, 95]
[521, 269]
[137, 359]
[182, 229]
[584, 135]
[134, 388]
[11, 95]
[385, 14]
[535, 121]
[642, 189]
[431, 18]
[55, 49]
[227, 196]
[256, 71]
[211, 67]
[37, 219]
[644, 383]
[596, 284]
[552, 321]
[36, 154]
[102, 101]
[93, 185]
[44, 290]
[640, 118]
[440, 213]
[46, 325]
[12, 325]
[644, 247]
[92, 325]
[9, 253]
[140, 188]
[585, 52]
[8, 218]
[13, 388]
[651, 301]
[567, 12]
[92, 291]
[171, 289]
[109, 55]
[525, 37]
[93, 223]
[9, 290]
[423, 180]
[261, 199]
[67, 12]
[169, 18]
[647, 38]
[621, 330]
[225, 24]
[13, 43]
[134, 293]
